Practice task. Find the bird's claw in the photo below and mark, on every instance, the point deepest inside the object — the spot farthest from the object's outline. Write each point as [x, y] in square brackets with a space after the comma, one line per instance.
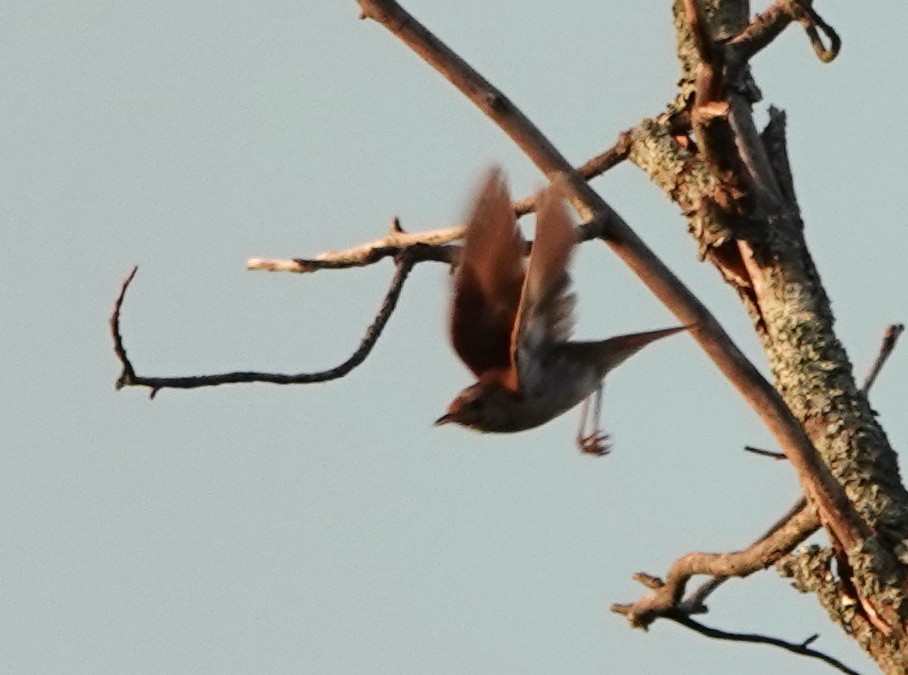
[597, 443]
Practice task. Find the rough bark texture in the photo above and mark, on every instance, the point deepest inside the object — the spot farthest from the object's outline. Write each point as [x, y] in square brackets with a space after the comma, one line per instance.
[758, 245]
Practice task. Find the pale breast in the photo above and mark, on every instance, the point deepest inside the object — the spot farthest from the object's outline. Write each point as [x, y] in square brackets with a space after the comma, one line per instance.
[552, 387]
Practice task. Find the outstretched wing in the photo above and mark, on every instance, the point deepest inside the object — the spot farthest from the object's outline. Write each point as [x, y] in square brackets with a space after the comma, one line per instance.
[488, 280]
[545, 316]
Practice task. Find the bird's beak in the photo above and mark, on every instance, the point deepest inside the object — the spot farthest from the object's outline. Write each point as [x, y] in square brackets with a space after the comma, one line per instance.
[444, 419]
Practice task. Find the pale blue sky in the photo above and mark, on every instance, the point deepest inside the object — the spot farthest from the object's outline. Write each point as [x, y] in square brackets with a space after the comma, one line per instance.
[331, 528]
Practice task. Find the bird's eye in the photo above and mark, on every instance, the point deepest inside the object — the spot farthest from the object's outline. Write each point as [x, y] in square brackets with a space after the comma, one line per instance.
[477, 404]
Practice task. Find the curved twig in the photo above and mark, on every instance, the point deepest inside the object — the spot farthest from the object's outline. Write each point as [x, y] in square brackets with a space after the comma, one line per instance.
[802, 648]
[813, 24]
[127, 374]
[128, 377]
[768, 25]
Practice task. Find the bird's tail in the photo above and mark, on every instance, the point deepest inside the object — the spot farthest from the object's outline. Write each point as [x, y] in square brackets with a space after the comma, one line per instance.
[614, 351]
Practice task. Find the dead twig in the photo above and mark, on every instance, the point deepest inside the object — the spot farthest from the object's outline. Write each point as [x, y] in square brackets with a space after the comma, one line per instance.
[890, 338]
[764, 453]
[768, 25]
[665, 596]
[695, 601]
[129, 378]
[813, 25]
[432, 244]
[802, 648]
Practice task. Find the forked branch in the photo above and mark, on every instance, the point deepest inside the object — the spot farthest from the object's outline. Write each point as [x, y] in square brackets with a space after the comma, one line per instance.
[665, 596]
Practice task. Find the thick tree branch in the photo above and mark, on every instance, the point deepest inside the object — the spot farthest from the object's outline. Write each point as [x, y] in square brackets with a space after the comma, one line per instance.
[837, 511]
[129, 378]
[696, 599]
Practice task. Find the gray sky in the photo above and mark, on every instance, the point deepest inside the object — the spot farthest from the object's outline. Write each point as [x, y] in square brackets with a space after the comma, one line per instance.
[331, 528]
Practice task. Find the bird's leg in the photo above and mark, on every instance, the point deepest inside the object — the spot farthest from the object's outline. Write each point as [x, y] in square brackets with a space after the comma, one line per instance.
[596, 441]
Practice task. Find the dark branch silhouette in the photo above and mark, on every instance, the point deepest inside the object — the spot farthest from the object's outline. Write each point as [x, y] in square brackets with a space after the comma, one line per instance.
[802, 648]
[129, 378]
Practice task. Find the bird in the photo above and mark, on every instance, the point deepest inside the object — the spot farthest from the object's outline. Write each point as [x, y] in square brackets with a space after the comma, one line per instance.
[511, 323]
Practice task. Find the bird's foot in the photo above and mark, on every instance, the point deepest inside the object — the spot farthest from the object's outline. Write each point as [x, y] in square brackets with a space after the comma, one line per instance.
[597, 443]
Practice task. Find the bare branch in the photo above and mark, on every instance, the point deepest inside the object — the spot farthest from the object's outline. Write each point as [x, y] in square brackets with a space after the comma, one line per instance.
[765, 27]
[802, 648]
[431, 244]
[695, 602]
[890, 337]
[768, 25]
[837, 511]
[666, 596]
[127, 374]
[764, 453]
[128, 377]
[813, 24]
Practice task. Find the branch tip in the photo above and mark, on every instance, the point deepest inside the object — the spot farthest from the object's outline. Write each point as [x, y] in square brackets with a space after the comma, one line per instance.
[890, 338]
[764, 453]
[648, 580]
[127, 373]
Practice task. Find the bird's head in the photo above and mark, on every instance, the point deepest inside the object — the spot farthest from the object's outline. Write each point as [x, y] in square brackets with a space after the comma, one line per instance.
[483, 406]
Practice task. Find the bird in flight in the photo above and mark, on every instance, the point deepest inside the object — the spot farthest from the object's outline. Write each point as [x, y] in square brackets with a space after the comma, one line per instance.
[511, 323]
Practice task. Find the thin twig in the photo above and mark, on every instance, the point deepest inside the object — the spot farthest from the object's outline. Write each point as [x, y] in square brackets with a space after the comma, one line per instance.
[802, 648]
[127, 374]
[813, 24]
[128, 377]
[890, 337]
[838, 512]
[432, 244]
[763, 29]
[764, 453]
